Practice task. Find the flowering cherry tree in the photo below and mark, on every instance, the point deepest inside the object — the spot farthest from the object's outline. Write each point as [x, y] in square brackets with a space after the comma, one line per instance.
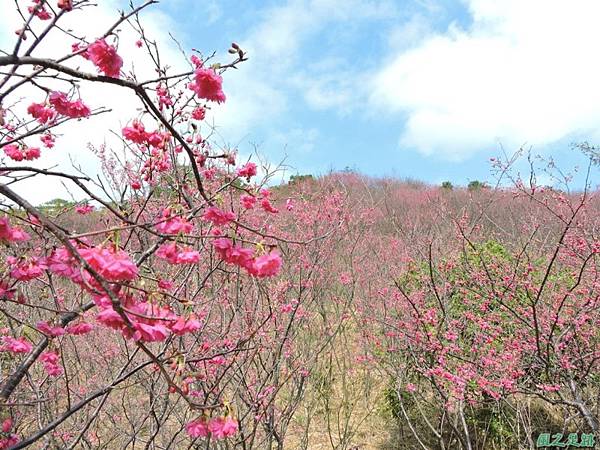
[487, 328]
[160, 305]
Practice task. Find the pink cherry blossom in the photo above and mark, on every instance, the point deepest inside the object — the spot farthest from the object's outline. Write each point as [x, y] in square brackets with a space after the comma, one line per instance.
[7, 425]
[66, 5]
[197, 62]
[145, 332]
[135, 133]
[110, 318]
[198, 428]
[11, 234]
[222, 427]
[267, 265]
[18, 153]
[174, 254]
[248, 170]
[105, 57]
[111, 263]
[223, 246]
[64, 106]
[39, 11]
[183, 326]
[6, 292]
[80, 328]
[188, 256]
[47, 140]
[164, 98]
[49, 330]
[199, 113]
[14, 152]
[26, 269]
[20, 345]
[266, 205]
[84, 209]
[218, 216]
[287, 308]
[173, 224]
[208, 85]
[165, 284]
[50, 360]
[42, 114]
[248, 201]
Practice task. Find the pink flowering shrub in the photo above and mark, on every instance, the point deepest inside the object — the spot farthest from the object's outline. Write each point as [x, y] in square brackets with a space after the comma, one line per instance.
[477, 318]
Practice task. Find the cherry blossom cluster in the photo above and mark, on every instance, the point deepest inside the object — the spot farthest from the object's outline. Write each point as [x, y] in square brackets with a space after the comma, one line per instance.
[143, 320]
[215, 427]
[11, 233]
[8, 439]
[104, 56]
[261, 266]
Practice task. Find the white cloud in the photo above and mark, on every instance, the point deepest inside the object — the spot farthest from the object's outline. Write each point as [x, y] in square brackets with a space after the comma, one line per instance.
[261, 92]
[524, 71]
[213, 11]
[409, 34]
[300, 140]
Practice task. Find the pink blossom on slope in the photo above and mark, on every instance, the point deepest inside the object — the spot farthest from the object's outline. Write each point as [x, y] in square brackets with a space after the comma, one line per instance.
[174, 254]
[217, 427]
[113, 264]
[266, 205]
[27, 269]
[7, 425]
[182, 325]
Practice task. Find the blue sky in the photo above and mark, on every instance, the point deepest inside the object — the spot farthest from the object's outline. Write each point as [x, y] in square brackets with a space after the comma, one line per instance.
[417, 88]
[422, 89]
